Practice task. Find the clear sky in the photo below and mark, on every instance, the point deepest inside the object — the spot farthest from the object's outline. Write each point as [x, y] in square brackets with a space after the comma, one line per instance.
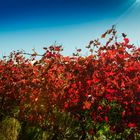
[27, 24]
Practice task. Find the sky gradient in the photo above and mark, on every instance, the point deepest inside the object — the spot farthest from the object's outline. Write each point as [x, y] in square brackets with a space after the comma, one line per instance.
[27, 24]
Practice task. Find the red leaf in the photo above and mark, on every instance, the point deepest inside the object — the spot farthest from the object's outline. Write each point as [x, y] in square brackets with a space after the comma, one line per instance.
[126, 40]
[123, 113]
[131, 125]
[106, 119]
[87, 105]
[104, 35]
[57, 48]
[122, 85]
[99, 108]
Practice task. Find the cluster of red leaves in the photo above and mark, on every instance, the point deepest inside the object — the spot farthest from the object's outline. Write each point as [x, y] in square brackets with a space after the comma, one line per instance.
[75, 84]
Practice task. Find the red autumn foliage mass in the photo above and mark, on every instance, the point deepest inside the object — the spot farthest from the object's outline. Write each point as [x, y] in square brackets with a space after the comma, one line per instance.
[110, 75]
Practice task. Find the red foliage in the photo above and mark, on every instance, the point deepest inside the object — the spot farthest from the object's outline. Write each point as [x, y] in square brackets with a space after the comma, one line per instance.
[75, 84]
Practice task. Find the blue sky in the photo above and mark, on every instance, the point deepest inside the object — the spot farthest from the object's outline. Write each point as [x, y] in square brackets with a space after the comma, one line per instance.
[27, 24]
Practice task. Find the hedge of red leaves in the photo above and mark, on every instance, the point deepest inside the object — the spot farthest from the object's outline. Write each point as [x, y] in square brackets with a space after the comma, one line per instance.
[103, 86]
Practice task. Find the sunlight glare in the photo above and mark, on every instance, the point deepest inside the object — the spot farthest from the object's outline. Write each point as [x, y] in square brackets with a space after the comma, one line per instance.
[137, 1]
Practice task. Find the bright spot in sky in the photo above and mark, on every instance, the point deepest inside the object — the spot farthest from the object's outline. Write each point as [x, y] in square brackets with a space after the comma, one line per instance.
[137, 1]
